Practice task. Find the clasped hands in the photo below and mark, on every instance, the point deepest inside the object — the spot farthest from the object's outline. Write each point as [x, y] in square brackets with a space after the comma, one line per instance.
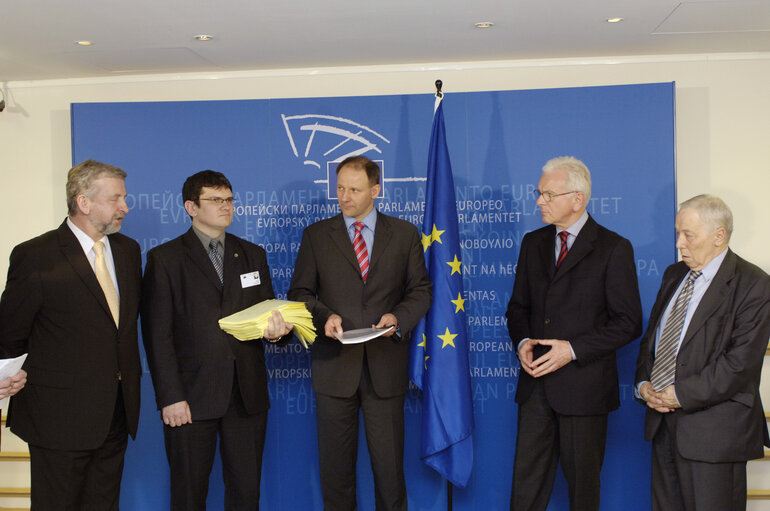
[663, 401]
[557, 357]
[333, 325]
[13, 384]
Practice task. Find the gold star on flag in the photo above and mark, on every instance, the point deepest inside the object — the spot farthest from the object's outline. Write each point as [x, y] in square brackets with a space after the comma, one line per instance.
[459, 303]
[455, 266]
[436, 234]
[427, 239]
[449, 339]
[426, 362]
[424, 342]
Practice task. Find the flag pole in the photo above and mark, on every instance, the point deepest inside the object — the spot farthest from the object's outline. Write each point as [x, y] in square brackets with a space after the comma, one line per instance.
[447, 412]
[449, 485]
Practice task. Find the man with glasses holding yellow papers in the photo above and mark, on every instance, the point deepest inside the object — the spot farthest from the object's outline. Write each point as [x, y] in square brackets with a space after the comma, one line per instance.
[208, 383]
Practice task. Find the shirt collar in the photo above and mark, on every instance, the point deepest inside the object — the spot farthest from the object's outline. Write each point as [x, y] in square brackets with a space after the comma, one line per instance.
[206, 240]
[86, 242]
[574, 229]
[369, 220]
[710, 270]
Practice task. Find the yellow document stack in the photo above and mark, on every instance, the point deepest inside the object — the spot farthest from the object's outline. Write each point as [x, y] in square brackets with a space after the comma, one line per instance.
[252, 322]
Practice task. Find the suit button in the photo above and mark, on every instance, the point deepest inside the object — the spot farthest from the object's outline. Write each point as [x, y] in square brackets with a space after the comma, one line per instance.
[547, 321]
[119, 376]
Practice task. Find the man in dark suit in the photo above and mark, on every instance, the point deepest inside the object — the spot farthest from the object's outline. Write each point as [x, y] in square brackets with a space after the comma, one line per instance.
[71, 301]
[208, 383]
[382, 283]
[575, 302]
[699, 366]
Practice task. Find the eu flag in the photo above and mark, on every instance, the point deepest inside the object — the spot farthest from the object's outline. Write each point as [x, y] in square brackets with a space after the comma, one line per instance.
[438, 362]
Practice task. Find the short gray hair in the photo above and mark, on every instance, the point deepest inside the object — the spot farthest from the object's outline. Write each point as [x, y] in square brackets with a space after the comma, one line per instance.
[81, 177]
[578, 175]
[713, 212]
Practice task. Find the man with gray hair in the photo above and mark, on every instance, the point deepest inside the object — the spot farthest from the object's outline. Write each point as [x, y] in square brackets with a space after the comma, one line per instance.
[575, 301]
[71, 302]
[699, 366]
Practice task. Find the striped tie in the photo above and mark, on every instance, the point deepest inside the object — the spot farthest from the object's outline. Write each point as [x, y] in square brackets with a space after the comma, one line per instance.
[216, 258]
[563, 250]
[664, 368]
[359, 246]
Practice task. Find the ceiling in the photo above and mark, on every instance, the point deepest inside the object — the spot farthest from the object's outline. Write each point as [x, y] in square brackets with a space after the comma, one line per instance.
[37, 37]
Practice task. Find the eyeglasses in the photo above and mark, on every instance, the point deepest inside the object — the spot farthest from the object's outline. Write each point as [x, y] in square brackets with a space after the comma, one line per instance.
[548, 196]
[219, 200]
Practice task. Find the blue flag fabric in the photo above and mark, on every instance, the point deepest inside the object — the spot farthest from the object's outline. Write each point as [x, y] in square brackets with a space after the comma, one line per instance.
[438, 362]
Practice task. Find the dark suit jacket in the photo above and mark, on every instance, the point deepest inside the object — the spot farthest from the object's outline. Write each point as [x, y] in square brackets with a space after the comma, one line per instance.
[191, 359]
[592, 301]
[327, 277]
[718, 364]
[54, 308]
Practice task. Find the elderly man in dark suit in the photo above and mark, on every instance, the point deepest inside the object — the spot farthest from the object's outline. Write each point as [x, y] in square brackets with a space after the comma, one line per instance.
[208, 383]
[699, 366]
[355, 270]
[575, 301]
[71, 300]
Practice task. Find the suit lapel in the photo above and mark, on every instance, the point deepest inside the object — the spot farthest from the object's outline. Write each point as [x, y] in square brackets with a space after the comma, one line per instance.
[341, 240]
[73, 252]
[382, 235]
[717, 292]
[547, 251]
[200, 258]
[232, 267]
[122, 275]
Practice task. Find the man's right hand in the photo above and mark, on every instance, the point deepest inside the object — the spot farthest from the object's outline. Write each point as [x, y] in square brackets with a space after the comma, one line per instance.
[653, 398]
[333, 326]
[525, 355]
[176, 414]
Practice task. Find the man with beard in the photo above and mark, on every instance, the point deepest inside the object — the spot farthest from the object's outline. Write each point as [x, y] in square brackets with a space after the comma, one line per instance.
[71, 301]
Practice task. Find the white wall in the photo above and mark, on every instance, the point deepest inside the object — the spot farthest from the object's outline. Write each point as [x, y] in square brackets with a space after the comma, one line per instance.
[722, 115]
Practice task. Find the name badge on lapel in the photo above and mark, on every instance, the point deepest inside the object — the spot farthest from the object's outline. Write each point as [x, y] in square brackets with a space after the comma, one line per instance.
[250, 279]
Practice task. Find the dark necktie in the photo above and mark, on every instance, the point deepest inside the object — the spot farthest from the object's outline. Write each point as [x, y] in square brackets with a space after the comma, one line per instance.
[563, 250]
[359, 246]
[664, 367]
[216, 258]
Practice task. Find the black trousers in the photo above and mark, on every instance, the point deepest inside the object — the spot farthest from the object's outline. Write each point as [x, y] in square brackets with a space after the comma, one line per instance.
[81, 480]
[191, 448]
[338, 447]
[680, 484]
[545, 437]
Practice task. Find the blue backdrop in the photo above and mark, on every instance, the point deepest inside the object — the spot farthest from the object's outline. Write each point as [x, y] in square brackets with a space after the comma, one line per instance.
[279, 156]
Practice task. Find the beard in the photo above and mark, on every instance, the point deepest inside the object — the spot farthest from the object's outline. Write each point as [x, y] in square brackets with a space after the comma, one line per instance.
[108, 228]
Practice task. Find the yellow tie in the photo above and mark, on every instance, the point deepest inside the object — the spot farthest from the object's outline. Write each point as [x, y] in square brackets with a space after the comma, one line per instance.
[103, 276]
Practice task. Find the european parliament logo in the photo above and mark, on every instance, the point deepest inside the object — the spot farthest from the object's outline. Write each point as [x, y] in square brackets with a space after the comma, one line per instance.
[322, 141]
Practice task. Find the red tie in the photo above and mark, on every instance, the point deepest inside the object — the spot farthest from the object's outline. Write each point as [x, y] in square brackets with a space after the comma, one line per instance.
[563, 250]
[359, 246]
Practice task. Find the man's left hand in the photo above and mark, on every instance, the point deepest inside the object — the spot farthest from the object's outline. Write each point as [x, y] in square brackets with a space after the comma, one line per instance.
[557, 357]
[276, 327]
[387, 320]
[13, 384]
